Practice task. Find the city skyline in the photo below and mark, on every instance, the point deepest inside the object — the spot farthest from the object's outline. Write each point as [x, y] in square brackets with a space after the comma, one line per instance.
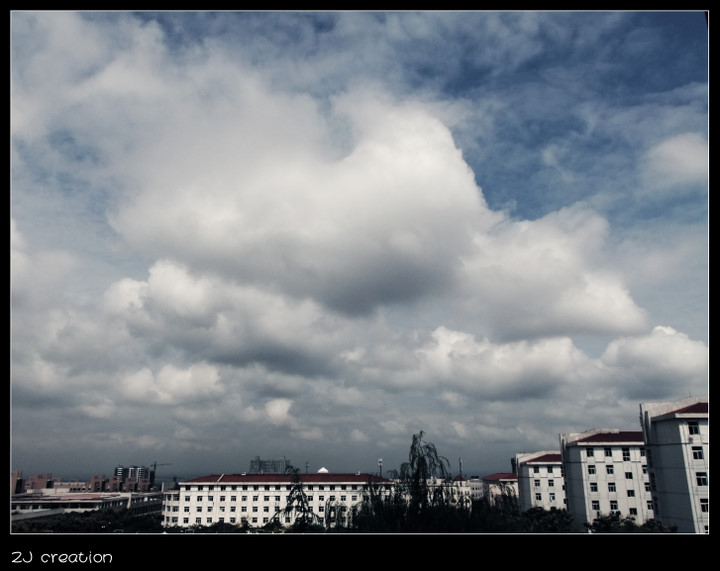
[314, 234]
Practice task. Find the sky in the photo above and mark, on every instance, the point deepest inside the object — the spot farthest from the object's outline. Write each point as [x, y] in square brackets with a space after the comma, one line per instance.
[312, 235]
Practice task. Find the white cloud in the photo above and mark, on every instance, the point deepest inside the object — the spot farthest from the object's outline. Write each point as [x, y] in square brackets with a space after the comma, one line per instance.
[653, 364]
[172, 386]
[678, 161]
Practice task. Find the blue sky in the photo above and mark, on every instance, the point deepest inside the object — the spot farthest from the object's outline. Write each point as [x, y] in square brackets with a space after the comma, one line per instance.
[312, 235]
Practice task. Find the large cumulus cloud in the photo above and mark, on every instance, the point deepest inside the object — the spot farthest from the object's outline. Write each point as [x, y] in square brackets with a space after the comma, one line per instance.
[221, 256]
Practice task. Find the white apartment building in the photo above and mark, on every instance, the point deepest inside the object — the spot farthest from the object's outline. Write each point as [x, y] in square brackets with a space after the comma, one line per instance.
[605, 472]
[678, 443]
[540, 480]
[257, 498]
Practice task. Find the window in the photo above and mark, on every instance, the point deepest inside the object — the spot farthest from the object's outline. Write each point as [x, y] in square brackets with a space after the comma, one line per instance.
[550, 469]
[536, 469]
[537, 483]
[633, 511]
[631, 493]
[551, 483]
[628, 475]
[613, 505]
[697, 452]
[590, 452]
[611, 487]
[608, 452]
[704, 505]
[538, 497]
[626, 454]
[591, 469]
[701, 478]
[593, 487]
[649, 505]
[693, 428]
[610, 469]
[596, 505]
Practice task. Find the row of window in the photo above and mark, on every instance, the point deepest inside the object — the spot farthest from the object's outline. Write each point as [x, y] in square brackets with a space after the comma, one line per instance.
[275, 498]
[268, 487]
[550, 483]
[551, 497]
[614, 507]
[233, 509]
[608, 453]
[550, 469]
[610, 469]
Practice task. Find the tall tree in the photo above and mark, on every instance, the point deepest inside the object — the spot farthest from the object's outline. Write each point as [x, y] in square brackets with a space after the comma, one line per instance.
[297, 505]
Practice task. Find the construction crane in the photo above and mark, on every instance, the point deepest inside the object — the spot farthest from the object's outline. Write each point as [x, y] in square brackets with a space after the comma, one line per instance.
[155, 465]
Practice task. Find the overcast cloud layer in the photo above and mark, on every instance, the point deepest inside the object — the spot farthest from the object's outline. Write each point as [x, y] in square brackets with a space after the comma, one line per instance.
[313, 235]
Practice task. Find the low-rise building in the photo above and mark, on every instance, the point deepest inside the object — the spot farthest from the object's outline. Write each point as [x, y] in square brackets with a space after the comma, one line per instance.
[541, 483]
[256, 500]
[47, 502]
[501, 485]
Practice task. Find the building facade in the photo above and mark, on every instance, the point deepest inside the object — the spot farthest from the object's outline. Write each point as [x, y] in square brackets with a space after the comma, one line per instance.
[678, 447]
[606, 472]
[541, 483]
[256, 500]
[500, 486]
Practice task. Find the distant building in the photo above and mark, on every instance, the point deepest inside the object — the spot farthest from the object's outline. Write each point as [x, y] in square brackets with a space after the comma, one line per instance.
[606, 472]
[275, 466]
[17, 483]
[49, 502]
[500, 485]
[677, 441]
[255, 499]
[540, 479]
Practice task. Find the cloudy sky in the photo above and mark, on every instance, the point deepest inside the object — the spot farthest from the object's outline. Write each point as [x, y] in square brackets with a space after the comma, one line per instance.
[312, 235]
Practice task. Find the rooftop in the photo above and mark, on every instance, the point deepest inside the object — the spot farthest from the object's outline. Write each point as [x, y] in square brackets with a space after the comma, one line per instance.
[324, 478]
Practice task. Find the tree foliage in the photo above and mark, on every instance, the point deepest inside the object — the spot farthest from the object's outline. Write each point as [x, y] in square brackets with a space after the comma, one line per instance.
[616, 523]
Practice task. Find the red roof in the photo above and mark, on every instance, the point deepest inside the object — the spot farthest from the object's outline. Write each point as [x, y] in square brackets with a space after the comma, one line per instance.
[551, 457]
[273, 478]
[501, 476]
[697, 408]
[619, 436]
